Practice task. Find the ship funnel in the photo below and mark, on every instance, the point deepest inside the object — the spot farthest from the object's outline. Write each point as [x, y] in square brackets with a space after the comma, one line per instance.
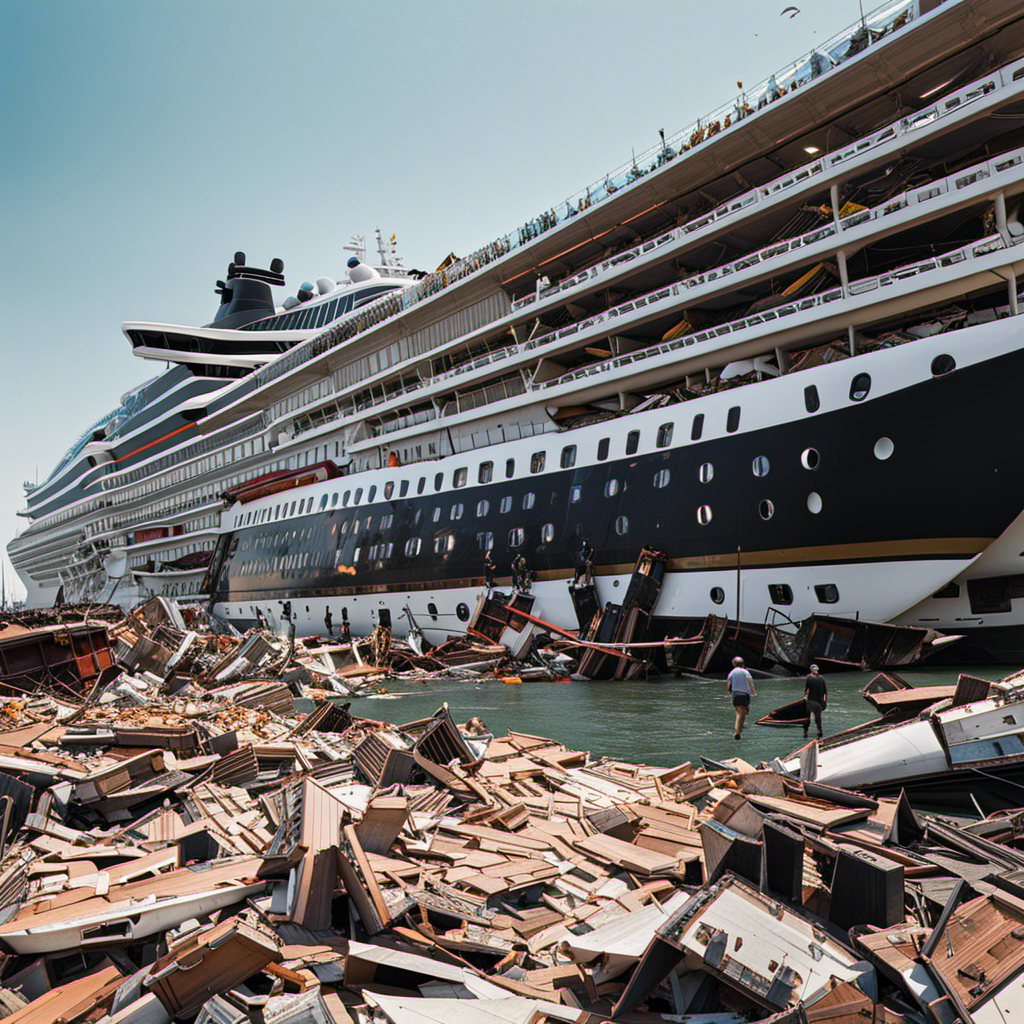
[359, 271]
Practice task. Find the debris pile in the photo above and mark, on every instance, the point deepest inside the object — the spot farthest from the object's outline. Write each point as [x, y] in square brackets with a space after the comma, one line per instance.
[183, 844]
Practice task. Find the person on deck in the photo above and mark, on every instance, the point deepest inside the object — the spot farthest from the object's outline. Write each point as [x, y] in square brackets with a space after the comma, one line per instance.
[816, 697]
[741, 685]
[490, 567]
[329, 622]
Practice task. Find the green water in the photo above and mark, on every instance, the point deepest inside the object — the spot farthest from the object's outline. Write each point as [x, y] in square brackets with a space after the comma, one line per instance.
[660, 722]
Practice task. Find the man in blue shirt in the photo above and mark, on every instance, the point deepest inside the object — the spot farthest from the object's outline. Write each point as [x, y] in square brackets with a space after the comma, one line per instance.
[741, 685]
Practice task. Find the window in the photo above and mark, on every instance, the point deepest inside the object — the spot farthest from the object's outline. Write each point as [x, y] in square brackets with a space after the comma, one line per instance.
[706, 473]
[810, 459]
[575, 493]
[462, 611]
[389, 489]
[547, 533]
[372, 493]
[717, 595]
[510, 468]
[766, 509]
[949, 590]
[941, 365]
[602, 449]
[403, 488]
[461, 476]
[780, 593]
[622, 526]
[359, 495]
[529, 498]
[456, 512]
[437, 513]
[334, 499]
[994, 594]
[432, 610]
[611, 488]
[485, 472]
[662, 477]
[665, 435]
[761, 466]
[515, 537]
[884, 448]
[438, 481]
[704, 515]
[812, 403]
[485, 541]
[698, 427]
[568, 456]
[537, 460]
[732, 421]
[859, 387]
[632, 442]
[386, 521]
[827, 593]
[323, 503]
[412, 546]
[506, 504]
[421, 485]
[482, 507]
[814, 503]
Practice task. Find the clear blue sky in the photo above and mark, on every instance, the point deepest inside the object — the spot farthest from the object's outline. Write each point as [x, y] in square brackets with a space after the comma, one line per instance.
[145, 142]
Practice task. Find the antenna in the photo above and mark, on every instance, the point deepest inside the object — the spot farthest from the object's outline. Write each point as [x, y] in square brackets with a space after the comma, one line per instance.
[358, 246]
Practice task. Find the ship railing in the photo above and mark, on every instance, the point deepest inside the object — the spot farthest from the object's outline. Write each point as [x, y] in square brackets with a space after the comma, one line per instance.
[967, 252]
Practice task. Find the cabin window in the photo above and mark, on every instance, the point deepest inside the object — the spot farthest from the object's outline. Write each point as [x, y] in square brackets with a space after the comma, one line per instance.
[344, 528]
[575, 493]
[704, 515]
[485, 472]
[450, 545]
[547, 533]
[506, 504]
[622, 526]
[664, 435]
[662, 477]
[611, 488]
[386, 521]
[602, 449]
[994, 594]
[698, 427]
[412, 546]
[814, 503]
[403, 488]
[372, 493]
[432, 610]
[717, 595]
[827, 593]
[859, 387]
[780, 593]
[461, 475]
[706, 473]
[766, 509]
[483, 507]
[438, 481]
[421, 485]
[334, 499]
[515, 537]
[884, 448]
[568, 456]
[462, 611]
[632, 442]
[485, 541]
[510, 468]
[537, 460]
[529, 499]
[949, 590]
[812, 403]
[358, 496]
[389, 489]
[810, 459]
[761, 466]
[323, 503]
[456, 512]
[437, 513]
[942, 365]
[732, 421]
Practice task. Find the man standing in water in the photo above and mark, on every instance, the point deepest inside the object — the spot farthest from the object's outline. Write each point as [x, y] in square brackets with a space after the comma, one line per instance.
[741, 686]
[816, 697]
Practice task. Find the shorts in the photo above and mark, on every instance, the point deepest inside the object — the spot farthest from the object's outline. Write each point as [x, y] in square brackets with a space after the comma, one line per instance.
[741, 700]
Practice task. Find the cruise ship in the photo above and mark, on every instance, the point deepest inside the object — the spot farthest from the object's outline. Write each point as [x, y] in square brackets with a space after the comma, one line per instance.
[781, 347]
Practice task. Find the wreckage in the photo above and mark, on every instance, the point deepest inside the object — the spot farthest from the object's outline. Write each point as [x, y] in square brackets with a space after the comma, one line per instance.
[179, 842]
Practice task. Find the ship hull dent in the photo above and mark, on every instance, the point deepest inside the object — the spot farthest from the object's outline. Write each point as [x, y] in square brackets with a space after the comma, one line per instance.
[885, 526]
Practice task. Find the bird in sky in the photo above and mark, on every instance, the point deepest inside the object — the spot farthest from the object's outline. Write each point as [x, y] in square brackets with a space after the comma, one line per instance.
[795, 10]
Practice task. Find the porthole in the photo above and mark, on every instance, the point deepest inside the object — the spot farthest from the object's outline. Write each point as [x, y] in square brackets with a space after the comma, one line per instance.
[389, 489]
[483, 507]
[568, 456]
[403, 488]
[780, 593]
[506, 504]
[537, 460]
[814, 503]
[547, 533]
[717, 595]
[942, 365]
[602, 449]
[421, 484]
[432, 610]
[611, 488]
[460, 477]
[812, 403]
[810, 459]
[632, 442]
[732, 422]
[529, 499]
[462, 611]
[761, 466]
[510, 468]
[704, 515]
[706, 473]
[827, 593]
[698, 427]
[323, 503]
[664, 435]
[662, 477]
[859, 387]
[884, 448]
[358, 495]
[515, 537]
[485, 472]
[372, 493]
[622, 526]
[437, 514]
[766, 509]
[438, 481]
[575, 493]
[334, 499]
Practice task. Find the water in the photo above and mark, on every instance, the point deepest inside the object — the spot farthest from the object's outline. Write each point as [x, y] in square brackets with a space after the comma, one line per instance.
[660, 722]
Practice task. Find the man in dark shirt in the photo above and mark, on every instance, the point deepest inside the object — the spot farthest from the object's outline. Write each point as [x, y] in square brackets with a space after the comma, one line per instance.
[816, 697]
